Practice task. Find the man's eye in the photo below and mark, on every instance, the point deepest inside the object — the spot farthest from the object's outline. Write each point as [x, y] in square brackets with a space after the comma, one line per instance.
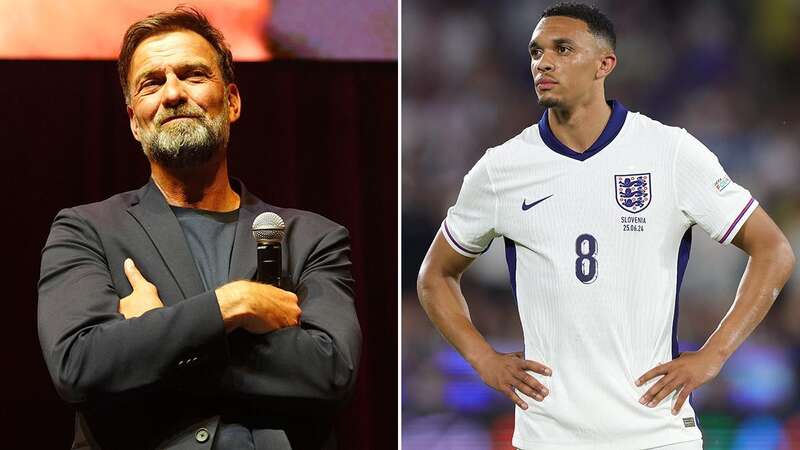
[536, 53]
[563, 50]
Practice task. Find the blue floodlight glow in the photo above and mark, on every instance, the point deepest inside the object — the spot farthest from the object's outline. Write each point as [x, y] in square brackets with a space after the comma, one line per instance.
[759, 433]
[761, 378]
[452, 364]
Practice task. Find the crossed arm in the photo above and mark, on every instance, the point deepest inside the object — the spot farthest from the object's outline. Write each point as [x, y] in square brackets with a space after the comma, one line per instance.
[92, 350]
[293, 363]
[255, 307]
[771, 261]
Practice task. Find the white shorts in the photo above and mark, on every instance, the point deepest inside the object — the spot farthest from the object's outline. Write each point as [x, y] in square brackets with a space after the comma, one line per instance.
[689, 445]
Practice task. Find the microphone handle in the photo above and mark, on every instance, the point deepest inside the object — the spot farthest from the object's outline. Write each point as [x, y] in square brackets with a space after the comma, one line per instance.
[269, 263]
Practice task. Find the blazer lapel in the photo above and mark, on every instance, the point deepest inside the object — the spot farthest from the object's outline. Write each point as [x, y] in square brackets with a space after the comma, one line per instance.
[244, 254]
[159, 222]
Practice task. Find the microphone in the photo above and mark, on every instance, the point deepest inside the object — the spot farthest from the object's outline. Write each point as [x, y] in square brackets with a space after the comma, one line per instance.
[268, 231]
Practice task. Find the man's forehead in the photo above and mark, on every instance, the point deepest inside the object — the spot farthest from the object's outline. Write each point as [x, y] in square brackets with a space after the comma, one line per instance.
[172, 47]
[560, 27]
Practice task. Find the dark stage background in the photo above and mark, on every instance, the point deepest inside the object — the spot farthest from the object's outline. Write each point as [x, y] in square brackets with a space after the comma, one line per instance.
[320, 136]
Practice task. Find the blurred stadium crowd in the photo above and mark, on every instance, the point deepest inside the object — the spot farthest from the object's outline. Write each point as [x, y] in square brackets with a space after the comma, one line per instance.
[724, 70]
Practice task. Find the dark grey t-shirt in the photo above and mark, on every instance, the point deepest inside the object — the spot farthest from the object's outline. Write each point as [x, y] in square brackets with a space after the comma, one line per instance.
[210, 237]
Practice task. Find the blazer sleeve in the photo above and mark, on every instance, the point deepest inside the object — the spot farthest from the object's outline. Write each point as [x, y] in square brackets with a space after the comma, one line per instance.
[89, 347]
[318, 360]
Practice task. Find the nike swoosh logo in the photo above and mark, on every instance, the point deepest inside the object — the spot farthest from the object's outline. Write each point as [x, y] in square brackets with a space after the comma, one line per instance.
[528, 206]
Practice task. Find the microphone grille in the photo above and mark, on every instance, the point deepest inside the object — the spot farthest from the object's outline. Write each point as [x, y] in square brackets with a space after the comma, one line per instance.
[268, 227]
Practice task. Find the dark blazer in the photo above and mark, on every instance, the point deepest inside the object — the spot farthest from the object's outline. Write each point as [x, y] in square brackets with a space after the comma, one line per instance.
[166, 378]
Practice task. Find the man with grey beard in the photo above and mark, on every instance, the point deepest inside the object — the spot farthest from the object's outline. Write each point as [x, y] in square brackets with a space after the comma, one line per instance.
[148, 322]
[185, 144]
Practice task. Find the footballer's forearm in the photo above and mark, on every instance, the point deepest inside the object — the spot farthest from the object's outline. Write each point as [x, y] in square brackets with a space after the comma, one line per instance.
[445, 305]
[439, 290]
[767, 271]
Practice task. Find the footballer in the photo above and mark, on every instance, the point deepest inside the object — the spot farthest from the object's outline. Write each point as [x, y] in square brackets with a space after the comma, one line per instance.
[596, 205]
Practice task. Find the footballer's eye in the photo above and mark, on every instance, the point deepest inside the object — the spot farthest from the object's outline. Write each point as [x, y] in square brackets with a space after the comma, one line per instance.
[536, 53]
[563, 49]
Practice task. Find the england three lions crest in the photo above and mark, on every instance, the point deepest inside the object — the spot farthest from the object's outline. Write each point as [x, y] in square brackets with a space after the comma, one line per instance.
[633, 191]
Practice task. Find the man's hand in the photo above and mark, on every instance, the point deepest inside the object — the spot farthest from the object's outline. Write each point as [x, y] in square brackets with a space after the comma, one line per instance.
[684, 374]
[144, 296]
[256, 307]
[506, 371]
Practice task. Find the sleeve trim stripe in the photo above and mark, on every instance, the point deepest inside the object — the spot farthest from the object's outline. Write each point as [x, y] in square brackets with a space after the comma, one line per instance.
[738, 218]
[454, 241]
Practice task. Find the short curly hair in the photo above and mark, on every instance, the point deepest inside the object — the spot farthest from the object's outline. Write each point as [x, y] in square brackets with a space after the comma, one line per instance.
[181, 18]
[599, 25]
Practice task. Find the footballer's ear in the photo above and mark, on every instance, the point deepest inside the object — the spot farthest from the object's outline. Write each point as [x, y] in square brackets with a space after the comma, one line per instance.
[608, 61]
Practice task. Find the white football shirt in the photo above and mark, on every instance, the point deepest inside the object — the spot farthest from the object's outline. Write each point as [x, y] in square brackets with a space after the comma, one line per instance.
[597, 244]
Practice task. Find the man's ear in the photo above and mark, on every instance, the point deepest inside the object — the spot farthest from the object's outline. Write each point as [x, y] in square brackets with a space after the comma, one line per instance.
[234, 103]
[133, 123]
[607, 64]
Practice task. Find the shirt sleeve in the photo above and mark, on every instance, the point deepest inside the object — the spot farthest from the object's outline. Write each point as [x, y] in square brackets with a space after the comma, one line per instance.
[706, 194]
[470, 224]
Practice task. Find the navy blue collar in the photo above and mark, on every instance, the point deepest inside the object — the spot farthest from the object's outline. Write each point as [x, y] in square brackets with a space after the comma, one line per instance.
[614, 125]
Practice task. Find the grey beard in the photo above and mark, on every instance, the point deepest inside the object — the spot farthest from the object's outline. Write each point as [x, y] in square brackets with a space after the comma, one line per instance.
[186, 143]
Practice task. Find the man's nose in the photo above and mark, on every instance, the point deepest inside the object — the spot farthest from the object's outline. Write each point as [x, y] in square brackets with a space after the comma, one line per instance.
[545, 63]
[174, 93]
